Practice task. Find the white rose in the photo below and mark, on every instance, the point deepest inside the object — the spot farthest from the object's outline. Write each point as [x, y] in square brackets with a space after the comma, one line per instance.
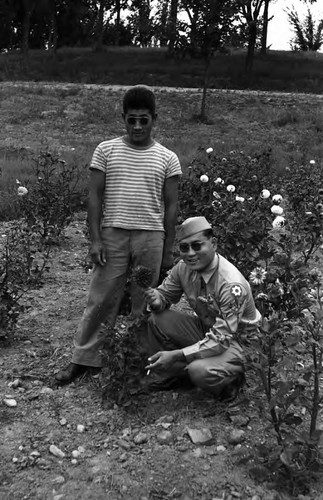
[209, 151]
[204, 178]
[275, 209]
[22, 191]
[277, 198]
[219, 181]
[278, 222]
[231, 188]
[265, 193]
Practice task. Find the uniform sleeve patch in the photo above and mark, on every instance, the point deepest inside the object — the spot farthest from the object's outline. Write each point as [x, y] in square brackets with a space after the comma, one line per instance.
[236, 291]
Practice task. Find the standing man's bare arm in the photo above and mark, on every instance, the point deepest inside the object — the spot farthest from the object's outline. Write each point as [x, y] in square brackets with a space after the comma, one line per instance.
[95, 201]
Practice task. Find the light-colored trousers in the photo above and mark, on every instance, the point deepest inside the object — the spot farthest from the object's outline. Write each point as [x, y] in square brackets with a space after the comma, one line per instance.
[172, 329]
[124, 248]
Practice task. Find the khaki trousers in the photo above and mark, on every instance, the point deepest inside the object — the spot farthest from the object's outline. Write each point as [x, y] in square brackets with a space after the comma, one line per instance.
[124, 248]
[171, 330]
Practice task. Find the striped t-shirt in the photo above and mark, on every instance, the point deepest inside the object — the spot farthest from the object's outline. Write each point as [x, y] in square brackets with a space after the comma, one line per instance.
[134, 182]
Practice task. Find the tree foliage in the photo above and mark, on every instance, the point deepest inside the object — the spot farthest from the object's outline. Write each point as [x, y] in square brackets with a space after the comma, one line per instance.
[308, 35]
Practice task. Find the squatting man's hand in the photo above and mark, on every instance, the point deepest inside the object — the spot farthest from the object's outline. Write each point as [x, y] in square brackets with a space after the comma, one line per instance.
[163, 360]
[153, 299]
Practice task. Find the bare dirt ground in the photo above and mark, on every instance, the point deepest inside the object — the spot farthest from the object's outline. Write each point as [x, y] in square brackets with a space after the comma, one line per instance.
[158, 446]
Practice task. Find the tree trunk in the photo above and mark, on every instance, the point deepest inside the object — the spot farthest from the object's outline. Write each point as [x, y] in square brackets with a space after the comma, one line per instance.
[265, 28]
[118, 19]
[207, 70]
[251, 46]
[99, 30]
[25, 31]
[172, 26]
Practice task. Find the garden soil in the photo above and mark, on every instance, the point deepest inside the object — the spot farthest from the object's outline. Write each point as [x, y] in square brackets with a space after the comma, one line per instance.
[70, 443]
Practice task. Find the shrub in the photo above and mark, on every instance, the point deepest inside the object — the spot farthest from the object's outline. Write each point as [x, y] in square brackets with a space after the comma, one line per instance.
[23, 261]
[52, 195]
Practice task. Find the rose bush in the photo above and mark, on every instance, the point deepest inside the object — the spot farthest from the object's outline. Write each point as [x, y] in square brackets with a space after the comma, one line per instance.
[269, 224]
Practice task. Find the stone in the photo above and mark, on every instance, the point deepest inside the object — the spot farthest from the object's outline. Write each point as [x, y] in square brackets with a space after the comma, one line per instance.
[54, 450]
[80, 428]
[165, 437]
[140, 438]
[10, 402]
[199, 436]
[236, 436]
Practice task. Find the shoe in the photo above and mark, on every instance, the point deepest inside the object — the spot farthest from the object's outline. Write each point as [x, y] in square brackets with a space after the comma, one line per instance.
[231, 391]
[72, 371]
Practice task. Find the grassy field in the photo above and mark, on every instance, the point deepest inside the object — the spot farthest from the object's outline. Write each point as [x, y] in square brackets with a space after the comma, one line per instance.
[71, 119]
[278, 70]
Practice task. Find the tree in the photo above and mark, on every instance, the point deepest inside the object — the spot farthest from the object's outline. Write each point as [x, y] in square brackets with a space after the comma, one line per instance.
[307, 35]
[264, 33]
[141, 22]
[211, 21]
[250, 9]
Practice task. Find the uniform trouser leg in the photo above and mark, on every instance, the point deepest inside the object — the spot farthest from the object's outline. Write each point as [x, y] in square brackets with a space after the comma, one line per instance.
[107, 288]
[174, 330]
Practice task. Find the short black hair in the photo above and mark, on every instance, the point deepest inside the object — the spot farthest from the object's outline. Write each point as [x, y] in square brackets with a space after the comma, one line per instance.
[140, 97]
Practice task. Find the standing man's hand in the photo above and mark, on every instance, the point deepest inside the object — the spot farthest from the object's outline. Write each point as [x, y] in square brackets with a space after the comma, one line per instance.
[98, 253]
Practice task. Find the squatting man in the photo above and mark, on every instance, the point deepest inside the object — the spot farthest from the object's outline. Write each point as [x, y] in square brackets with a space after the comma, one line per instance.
[203, 346]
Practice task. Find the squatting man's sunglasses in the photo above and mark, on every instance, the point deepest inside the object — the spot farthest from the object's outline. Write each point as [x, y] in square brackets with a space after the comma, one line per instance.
[132, 120]
[195, 245]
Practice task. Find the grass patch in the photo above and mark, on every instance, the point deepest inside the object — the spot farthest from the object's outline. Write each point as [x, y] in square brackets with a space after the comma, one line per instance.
[278, 70]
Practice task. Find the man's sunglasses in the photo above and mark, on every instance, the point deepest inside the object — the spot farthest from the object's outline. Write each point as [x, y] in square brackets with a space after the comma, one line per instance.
[132, 120]
[195, 245]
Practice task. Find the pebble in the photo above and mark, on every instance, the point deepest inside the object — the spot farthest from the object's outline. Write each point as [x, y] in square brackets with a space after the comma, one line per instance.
[199, 436]
[63, 421]
[220, 448]
[236, 436]
[76, 454]
[58, 480]
[46, 390]
[34, 453]
[80, 428]
[74, 461]
[140, 438]
[165, 437]
[10, 402]
[124, 444]
[15, 383]
[56, 451]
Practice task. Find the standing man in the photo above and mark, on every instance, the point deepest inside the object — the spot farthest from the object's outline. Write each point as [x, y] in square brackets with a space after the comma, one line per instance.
[204, 346]
[132, 212]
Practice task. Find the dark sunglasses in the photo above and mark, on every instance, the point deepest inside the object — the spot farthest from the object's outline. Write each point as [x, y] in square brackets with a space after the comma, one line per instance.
[132, 120]
[195, 245]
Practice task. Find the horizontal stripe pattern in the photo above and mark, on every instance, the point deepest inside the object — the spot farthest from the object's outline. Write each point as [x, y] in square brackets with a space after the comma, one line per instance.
[134, 182]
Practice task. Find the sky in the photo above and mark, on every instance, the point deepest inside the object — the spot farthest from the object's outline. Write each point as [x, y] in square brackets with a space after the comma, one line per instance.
[279, 31]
